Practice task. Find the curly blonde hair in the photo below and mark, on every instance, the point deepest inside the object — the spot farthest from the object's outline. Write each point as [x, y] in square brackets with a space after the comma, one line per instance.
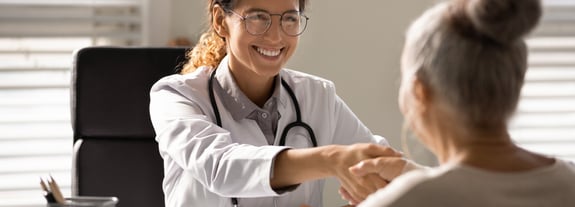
[211, 48]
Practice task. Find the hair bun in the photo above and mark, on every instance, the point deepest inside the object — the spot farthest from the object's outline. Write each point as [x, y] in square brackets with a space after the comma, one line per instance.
[503, 20]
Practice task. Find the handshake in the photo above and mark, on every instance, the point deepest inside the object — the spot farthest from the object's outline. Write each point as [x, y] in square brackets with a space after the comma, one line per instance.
[362, 169]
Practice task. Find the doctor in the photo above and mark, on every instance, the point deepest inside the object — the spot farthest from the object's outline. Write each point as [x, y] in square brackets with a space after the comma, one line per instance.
[235, 128]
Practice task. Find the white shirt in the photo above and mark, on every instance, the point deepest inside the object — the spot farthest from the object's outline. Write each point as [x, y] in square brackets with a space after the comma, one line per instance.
[205, 165]
[460, 185]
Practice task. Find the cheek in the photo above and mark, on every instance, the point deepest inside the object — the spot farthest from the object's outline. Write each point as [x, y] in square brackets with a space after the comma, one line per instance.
[292, 42]
[239, 43]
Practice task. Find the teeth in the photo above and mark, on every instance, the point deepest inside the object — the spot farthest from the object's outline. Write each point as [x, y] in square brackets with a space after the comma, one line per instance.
[271, 53]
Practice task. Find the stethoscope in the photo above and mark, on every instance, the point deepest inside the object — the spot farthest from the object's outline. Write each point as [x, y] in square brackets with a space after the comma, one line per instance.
[283, 136]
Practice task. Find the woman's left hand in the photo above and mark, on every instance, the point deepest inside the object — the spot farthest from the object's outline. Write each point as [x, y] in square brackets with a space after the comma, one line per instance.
[387, 168]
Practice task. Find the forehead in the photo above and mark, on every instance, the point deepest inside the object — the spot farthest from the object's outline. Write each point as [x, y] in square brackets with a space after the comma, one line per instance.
[272, 6]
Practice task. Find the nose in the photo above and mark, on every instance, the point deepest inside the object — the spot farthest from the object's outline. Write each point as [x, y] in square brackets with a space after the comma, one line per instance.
[274, 33]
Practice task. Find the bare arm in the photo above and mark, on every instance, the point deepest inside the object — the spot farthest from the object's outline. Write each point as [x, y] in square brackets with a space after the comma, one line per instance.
[295, 166]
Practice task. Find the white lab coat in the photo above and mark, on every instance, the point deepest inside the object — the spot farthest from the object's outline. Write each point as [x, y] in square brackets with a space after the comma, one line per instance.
[205, 165]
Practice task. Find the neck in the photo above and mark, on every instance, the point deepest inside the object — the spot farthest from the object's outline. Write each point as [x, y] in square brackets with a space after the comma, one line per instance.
[457, 144]
[257, 88]
[489, 149]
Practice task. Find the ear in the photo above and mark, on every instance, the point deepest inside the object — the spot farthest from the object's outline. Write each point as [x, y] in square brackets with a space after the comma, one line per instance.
[218, 21]
[422, 95]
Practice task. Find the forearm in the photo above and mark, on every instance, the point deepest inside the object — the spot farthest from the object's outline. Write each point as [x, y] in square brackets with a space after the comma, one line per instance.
[295, 166]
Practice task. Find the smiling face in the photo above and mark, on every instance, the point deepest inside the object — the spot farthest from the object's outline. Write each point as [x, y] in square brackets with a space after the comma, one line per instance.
[260, 56]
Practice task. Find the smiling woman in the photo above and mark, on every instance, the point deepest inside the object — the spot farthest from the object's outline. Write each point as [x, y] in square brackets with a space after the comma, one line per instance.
[221, 123]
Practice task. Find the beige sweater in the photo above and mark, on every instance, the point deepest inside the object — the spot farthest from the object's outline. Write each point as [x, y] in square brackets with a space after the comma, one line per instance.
[460, 185]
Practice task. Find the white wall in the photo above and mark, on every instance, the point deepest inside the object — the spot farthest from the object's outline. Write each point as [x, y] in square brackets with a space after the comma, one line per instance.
[356, 44]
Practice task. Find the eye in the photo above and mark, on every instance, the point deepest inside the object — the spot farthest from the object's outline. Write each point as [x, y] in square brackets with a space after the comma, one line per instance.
[258, 16]
[291, 18]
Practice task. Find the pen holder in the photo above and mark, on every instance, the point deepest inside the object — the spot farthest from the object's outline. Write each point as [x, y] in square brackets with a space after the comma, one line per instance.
[87, 201]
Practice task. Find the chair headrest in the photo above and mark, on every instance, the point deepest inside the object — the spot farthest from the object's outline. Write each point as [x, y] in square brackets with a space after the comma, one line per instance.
[110, 89]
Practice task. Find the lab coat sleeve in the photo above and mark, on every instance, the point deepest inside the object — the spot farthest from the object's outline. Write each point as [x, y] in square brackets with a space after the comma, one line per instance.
[347, 128]
[189, 137]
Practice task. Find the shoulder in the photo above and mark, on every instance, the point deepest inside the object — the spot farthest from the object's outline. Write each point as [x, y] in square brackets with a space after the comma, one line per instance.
[298, 78]
[565, 166]
[191, 86]
[569, 164]
[195, 80]
[413, 188]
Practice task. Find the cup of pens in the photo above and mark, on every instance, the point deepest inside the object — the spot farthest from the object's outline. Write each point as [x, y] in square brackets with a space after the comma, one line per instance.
[54, 197]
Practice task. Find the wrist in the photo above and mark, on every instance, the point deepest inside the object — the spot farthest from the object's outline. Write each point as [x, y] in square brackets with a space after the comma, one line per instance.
[328, 158]
[294, 166]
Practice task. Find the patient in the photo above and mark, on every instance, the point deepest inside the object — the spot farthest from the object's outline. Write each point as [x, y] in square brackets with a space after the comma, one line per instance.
[463, 67]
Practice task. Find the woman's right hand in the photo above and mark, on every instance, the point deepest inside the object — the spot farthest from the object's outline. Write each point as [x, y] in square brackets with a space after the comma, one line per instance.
[344, 157]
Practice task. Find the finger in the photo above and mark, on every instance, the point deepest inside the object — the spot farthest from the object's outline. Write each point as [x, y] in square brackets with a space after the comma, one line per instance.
[304, 205]
[371, 183]
[346, 196]
[376, 150]
[363, 187]
[352, 190]
[387, 167]
[377, 181]
[362, 168]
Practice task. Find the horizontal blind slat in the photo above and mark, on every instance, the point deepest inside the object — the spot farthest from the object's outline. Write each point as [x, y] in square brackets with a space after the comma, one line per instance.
[545, 118]
[70, 3]
[37, 41]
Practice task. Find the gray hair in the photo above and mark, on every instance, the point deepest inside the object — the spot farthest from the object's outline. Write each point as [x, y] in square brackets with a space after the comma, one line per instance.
[471, 55]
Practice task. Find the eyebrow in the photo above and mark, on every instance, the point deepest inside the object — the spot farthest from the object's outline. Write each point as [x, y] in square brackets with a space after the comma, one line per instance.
[263, 10]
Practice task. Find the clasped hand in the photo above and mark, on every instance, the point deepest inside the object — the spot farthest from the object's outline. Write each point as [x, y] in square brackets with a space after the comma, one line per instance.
[362, 169]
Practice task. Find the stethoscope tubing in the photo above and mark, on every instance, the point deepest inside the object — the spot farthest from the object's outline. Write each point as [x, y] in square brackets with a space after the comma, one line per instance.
[283, 136]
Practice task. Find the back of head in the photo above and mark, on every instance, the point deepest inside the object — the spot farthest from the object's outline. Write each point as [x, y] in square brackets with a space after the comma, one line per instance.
[472, 56]
[504, 21]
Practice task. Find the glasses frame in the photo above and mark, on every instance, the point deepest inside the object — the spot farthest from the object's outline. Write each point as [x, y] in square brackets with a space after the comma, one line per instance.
[243, 18]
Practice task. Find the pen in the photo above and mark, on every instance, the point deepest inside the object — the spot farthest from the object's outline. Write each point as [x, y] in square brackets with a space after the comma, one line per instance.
[56, 191]
[47, 194]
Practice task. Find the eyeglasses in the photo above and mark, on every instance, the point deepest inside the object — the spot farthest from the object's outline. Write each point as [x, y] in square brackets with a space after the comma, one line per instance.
[293, 23]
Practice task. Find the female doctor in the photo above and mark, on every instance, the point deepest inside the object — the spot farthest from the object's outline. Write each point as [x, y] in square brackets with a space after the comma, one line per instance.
[237, 129]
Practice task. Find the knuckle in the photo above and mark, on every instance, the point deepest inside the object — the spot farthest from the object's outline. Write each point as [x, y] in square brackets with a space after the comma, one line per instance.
[370, 146]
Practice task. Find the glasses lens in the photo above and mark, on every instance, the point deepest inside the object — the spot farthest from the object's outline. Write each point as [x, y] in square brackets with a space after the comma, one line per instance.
[257, 23]
[293, 23]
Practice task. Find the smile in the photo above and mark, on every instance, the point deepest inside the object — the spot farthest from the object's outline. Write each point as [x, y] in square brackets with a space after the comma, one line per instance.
[268, 52]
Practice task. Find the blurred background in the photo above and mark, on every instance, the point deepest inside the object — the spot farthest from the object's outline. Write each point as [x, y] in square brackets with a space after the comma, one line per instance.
[356, 44]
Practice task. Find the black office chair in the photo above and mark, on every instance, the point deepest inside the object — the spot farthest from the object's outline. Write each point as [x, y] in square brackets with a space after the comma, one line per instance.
[115, 153]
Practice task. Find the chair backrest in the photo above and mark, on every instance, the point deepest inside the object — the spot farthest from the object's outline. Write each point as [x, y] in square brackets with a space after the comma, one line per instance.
[115, 153]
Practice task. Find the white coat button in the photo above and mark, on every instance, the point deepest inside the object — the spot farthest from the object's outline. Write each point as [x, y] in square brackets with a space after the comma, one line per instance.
[265, 115]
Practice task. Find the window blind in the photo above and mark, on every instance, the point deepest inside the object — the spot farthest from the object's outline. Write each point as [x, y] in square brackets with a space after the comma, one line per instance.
[545, 119]
[37, 40]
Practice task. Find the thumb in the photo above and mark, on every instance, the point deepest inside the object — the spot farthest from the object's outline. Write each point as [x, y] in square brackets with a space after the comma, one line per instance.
[304, 205]
[387, 167]
[381, 150]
